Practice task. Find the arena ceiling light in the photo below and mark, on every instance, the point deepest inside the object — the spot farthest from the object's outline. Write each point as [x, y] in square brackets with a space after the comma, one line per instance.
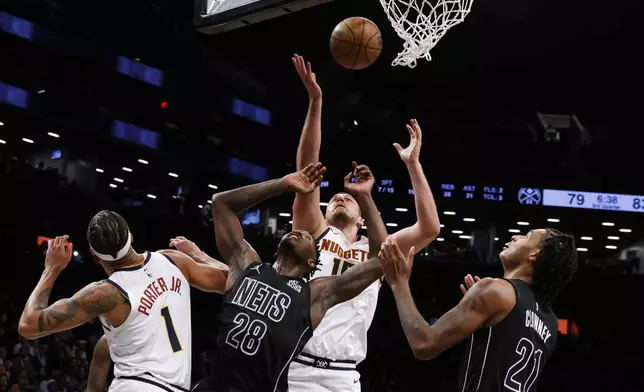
[209, 201]
[24, 139]
[285, 214]
[1, 124]
[582, 249]
[449, 213]
[323, 204]
[609, 224]
[611, 247]
[553, 220]
[496, 238]
[465, 237]
[520, 223]
[200, 206]
[586, 238]
[442, 225]
[355, 122]
[514, 231]
[112, 185]
[99, 170]
[143, 161]
[151, 196]
[2, 142]
[212, 186]
[392, 224]
[625, 230]
[118, 179]
[469, 220]
[440, 239]
[457, 231]
[364, 227]
[613, 238]
[290, 222]
[400, 209]
[127, 169]
[53, 134]
[175, 175]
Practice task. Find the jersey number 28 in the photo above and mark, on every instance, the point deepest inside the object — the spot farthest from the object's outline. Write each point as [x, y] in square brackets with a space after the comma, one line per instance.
[247, 335]
[517, 378]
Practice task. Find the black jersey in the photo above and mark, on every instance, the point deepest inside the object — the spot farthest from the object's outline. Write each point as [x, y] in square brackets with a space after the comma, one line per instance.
[265, 322]
[510, 355]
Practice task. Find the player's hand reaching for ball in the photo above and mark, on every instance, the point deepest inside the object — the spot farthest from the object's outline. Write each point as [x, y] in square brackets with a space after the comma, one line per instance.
[184, 245]
[364, 180]
[308, 77]
[395, 265]
[306, 180]
[412, 152]
[469, 282]
[59, 254]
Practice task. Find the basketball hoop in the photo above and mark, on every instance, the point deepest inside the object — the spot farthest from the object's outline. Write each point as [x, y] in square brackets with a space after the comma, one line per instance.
[422, 23]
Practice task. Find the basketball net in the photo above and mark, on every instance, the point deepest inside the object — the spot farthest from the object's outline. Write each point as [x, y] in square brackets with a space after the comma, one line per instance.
[422, 24]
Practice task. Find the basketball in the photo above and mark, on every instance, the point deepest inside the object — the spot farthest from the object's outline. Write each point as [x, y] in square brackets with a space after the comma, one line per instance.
[356, 43]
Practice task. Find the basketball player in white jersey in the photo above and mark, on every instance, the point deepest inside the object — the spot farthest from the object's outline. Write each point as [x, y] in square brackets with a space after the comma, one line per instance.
[144, 305]
[328, 361]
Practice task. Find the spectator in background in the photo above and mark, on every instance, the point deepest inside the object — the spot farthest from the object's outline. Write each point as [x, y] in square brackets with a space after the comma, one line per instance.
[4, 382]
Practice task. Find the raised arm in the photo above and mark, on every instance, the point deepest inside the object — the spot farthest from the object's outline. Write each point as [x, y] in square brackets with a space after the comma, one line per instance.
[427, 226]
[228, 231]
[100, 367]
[205, 277]
[306, 208]
[361, 190]
[38, 319]
[326, 292]
[486, 301]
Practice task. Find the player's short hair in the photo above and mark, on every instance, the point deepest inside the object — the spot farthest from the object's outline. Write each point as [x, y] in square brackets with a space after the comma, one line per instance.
[107, 233]
[555, 265]
[317, 263]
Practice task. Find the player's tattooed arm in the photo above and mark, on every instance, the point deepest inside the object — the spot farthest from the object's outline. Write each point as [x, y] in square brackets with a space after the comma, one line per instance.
[306, 208]
[327, 292]
[184, 245]
[361, 190]
[483, 302]
[427, 226]
[93, 300]
[100, 367]
[225, 205]
[206, 277]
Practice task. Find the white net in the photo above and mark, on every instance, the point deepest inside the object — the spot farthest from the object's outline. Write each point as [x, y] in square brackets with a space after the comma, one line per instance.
[422, 23]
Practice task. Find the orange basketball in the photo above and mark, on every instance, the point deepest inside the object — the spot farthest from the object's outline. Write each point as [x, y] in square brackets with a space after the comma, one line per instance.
[356, 43]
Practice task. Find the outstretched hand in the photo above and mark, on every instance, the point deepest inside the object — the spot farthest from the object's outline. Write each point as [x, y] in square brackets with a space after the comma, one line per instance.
[364, 180]
[306, 180]
[184, 245]
[412, 152]
[395, 265]
[308, 77]
[59, 253]
[469, 282]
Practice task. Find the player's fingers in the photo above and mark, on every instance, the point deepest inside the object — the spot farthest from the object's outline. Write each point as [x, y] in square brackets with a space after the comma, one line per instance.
[411, 254]
[317, 182]
[463, 289]
[412, 133]
[69, 250]
[57, 241]
[347, 178]
[308, 168]
[309, 69]
[419, 132]
[318, 173]
[398, 148]
[476, 279]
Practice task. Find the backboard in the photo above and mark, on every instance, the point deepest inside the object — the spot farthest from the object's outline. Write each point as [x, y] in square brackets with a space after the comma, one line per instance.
[217, 16]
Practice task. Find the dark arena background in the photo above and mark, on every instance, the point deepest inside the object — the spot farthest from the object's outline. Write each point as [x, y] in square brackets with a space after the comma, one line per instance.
[531, 113]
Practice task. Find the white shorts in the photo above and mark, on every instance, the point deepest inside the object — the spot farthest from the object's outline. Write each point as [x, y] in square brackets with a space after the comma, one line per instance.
[129, 385]
[305, 378]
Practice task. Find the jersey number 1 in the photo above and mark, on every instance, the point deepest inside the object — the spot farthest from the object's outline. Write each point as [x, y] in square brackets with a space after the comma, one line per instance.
[515, 378]
[172, 334]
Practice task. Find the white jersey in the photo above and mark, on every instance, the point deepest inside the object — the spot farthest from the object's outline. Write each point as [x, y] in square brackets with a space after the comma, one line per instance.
[154, 345]
[342, 333]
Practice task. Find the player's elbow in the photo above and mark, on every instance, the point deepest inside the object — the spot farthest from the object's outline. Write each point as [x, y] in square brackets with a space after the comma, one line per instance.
[26, 330]
[424, 351]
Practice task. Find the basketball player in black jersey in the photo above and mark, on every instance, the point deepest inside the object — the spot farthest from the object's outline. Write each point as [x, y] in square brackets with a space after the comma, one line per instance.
[269, 312]
[509, 321]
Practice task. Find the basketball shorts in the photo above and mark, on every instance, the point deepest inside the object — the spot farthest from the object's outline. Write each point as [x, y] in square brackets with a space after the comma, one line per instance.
[323, 376]
[141, 384]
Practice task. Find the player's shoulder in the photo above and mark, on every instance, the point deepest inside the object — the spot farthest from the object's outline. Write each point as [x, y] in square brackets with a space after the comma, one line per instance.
[493, 292]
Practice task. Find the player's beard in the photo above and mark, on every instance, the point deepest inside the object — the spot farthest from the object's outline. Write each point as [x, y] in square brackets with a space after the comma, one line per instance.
[340, 219]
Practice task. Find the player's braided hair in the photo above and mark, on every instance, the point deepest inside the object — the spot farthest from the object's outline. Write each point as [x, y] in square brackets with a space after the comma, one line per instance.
[317, 263]
[555, 265]
[107, 232]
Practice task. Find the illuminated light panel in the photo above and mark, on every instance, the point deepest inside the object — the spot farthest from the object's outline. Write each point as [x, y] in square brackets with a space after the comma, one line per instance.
[151, 196]
[200, 206]
[449, 213]
[113, 186]
[613, 238]
[609, 224]
[99, 170]
[127, 169]
[284, 214]
[465, 237]
[143, 161]
[324, 204]
[118, 179]
[514, 231]
[291, 222]
[24, 139]
[469, 220]
[392, 224]
[440, 239]
[496, 238]
[457, 231]
[523, 223]
[402, 209]
[553, 220]
[625, 230]
[611, 247]
[175, 175]
[209, 201]
[442, 225]
[212, 186]
[582, 249]
[2, 142]
[53, 134]
[586, 238]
